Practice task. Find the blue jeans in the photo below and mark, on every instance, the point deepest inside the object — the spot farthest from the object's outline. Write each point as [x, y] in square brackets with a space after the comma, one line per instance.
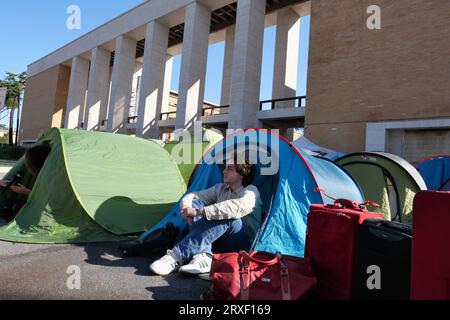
[217, 236]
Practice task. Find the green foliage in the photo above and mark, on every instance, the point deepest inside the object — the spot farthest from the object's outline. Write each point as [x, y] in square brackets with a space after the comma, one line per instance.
[10, 152]
[15, 84]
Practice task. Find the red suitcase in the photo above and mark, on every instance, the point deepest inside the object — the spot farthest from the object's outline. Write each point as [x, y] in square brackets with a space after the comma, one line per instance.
[331, 246]
[430, 273]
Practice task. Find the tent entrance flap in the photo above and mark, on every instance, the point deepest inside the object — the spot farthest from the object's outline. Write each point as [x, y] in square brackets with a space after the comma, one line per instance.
[387, 180]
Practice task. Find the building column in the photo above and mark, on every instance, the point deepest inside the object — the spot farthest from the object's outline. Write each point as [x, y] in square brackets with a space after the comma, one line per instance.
[98, 88]
[122, 77]
[152, 80]
[287, 48]
[247, 61]
[227, 66]
[193, 65]
[77, 93]
[167, 84]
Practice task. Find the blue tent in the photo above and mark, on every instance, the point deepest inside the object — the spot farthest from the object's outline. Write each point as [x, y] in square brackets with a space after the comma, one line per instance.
[435, 171]
[289, 183]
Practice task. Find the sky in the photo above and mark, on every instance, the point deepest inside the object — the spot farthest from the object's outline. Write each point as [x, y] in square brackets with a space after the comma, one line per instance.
[31, 29]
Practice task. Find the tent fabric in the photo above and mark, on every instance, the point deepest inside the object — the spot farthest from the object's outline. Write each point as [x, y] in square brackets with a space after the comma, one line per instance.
[287, 194]
[387, 180]
[209, 139]
[95, 187]
[445, 186]
[308, 146]
[435, 171]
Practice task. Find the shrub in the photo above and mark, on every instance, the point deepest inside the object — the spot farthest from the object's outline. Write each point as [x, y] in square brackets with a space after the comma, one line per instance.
[8, 152]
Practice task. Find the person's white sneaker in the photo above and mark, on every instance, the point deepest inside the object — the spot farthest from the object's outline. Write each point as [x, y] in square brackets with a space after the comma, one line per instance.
[166, 265]
[200, 263]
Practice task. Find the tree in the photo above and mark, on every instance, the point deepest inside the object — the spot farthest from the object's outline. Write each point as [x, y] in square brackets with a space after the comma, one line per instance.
[15, 85]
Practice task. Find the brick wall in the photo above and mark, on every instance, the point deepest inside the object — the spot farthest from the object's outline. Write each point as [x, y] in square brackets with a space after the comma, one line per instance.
[357, 75]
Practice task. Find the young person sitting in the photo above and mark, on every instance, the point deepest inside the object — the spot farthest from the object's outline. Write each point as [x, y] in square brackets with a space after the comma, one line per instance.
[35, 158]
[224, 218]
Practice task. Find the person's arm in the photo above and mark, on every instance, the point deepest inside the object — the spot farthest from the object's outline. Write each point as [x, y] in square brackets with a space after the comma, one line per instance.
[234, 208]
[208, 197]
[20, 189]
[4, 183]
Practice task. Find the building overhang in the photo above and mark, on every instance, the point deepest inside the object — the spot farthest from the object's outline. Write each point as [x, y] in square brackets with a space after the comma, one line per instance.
[133, 24]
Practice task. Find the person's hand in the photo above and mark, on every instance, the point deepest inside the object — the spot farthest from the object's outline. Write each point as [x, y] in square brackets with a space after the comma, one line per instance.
[189, 212]
[20, 189]
[4, 183]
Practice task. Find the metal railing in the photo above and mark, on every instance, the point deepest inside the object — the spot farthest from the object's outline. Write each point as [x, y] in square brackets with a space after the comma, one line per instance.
[132, 120]
[168, 115]
[300, 102]
[211, 111]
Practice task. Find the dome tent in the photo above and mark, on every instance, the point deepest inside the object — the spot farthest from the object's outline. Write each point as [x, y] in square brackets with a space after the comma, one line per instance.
[304, 143]
[387, 180]
[435, 171]
[208, 139]
[95, 187]
[287, 193]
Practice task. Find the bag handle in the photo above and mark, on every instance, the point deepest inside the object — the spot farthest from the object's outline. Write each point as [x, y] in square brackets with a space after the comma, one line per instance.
[345, 203]
[252, 257]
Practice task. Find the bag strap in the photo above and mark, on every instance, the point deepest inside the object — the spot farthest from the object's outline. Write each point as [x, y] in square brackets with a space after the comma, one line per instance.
[244, 272]
[285, 283]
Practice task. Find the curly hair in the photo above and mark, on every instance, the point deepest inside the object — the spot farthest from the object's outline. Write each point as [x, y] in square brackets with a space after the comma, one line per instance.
[244, 168]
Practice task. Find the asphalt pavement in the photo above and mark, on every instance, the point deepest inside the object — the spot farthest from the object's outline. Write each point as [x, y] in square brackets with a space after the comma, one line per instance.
[50, 272]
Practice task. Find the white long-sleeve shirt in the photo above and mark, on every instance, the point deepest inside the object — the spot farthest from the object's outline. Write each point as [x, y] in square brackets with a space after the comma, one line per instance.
[221, 203]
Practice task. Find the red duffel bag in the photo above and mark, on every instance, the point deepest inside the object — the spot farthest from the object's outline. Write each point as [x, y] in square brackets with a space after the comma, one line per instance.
[260, 276]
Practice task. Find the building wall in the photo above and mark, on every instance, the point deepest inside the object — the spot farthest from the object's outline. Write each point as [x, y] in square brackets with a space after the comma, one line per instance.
[416, 145]
[44, 102]
[357, 75]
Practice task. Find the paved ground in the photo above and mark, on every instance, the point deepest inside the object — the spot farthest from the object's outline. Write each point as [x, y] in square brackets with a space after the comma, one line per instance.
[40, 272]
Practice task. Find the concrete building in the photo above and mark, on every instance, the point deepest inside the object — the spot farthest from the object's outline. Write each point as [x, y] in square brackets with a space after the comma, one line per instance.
[385, 89]
[117, 77]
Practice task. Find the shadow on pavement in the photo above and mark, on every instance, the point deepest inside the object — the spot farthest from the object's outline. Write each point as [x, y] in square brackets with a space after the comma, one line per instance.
[180, 287]
[108, 255]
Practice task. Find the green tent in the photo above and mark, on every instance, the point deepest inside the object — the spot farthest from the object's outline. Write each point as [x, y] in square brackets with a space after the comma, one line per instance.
[177, 148]
[94, 187]
[387, 180]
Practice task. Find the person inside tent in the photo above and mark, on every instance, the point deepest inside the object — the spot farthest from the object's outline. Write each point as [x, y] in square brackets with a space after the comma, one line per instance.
[34, 161]
[224, 218]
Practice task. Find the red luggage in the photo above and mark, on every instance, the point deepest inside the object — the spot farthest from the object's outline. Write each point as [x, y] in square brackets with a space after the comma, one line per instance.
[331, 246]
[259, 276]
[430, 274]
